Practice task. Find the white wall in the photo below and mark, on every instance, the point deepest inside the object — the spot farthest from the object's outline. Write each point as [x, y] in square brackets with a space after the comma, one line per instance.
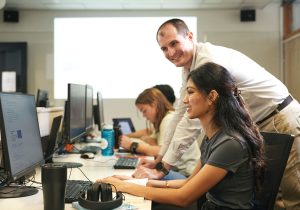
[259, 40]
[296, 16]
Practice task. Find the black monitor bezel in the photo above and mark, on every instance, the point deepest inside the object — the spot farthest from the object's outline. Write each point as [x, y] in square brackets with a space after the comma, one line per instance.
[56, 122]
[40, 93]
[99, 111]
[71, 139]
[88, 125]
[116, 121]
[5, 150]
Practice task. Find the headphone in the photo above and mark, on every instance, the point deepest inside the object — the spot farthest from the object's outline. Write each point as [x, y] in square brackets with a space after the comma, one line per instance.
[99, 196]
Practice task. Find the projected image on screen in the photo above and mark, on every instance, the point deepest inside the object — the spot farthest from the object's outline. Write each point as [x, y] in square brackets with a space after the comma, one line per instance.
[108, 52]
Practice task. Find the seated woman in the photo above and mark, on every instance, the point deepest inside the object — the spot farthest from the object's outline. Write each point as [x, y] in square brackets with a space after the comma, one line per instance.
[232, 163]
[144, 134]
[158, 111]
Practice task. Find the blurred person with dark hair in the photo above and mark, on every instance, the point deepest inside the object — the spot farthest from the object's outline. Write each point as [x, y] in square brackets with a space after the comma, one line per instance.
[168, 91]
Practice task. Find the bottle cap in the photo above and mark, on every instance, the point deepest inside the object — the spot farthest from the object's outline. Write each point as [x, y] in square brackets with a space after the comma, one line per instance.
[107, 127]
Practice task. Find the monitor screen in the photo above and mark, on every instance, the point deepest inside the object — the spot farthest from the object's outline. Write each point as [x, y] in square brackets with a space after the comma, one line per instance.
[98, 111]
[125, 124]
[20, 134]
[88, 108]
[42, 98]
[76, 112]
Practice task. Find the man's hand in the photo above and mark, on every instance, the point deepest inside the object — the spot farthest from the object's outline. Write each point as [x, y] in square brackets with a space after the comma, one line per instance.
[144, 172]
[147, 163]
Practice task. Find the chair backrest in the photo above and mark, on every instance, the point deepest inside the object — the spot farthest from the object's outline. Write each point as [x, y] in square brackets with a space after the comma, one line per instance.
[278, 148]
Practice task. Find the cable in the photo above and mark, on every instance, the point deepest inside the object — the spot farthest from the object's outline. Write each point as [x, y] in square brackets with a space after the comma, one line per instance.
[3, 180]
[84, 175]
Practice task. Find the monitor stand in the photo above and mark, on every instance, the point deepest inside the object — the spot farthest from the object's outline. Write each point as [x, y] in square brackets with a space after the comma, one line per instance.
[17, 191]
[67, 164]
[71, 164]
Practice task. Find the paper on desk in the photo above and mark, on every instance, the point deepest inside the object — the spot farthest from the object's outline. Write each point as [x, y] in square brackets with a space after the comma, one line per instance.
[138, 181]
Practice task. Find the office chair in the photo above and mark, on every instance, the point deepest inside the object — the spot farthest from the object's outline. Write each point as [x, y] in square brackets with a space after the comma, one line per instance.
[277, 146]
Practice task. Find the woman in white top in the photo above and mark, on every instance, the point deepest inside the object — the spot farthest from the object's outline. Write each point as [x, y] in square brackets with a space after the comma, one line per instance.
[158, 111]
[144, 134]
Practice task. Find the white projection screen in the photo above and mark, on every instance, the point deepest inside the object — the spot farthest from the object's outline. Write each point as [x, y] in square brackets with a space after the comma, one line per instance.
[118, 56]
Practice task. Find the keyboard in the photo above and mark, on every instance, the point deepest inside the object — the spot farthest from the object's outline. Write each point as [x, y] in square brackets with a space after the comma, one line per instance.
[92, 149]
[74, 189]
[126, 163]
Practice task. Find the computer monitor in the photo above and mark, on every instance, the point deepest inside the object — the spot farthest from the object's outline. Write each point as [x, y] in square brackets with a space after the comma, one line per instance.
[52, 141]
[75, 112]
[98, 111]
[21, 143]
[125, 124]
[42, 98]
[88, 108]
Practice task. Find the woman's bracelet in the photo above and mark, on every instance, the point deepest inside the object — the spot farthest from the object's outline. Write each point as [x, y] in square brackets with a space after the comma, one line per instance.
[167, 184]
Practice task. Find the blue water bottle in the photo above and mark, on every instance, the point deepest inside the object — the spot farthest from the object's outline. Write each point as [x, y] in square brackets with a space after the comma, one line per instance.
[108, 138]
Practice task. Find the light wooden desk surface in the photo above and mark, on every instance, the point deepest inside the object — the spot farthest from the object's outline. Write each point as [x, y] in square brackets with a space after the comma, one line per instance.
[96, 168]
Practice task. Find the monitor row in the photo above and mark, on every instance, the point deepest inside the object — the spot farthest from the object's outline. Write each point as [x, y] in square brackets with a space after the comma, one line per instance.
[21, 146]
[80, 113]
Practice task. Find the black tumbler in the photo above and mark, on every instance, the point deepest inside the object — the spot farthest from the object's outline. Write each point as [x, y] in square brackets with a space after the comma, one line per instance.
[118, 134]
[54, 178]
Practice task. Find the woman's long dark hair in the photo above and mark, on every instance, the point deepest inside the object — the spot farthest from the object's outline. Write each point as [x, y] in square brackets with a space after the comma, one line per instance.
[231, 114]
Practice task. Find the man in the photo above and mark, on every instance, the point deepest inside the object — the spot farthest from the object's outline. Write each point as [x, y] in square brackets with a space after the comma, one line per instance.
[268, 100]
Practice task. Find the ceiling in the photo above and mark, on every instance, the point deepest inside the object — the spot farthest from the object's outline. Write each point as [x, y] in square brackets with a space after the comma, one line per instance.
[134, 4]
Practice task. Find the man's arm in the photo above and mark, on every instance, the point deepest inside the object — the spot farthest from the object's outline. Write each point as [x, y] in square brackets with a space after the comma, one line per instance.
[187, 131]
[180, 109]
[182, 131]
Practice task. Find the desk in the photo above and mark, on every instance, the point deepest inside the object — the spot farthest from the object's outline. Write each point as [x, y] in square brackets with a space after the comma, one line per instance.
[99, 167]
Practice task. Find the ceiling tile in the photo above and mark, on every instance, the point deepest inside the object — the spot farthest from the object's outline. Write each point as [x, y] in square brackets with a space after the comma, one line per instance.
[136, 4]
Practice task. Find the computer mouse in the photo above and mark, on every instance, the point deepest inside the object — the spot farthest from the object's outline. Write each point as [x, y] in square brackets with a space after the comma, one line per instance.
[87, 155]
